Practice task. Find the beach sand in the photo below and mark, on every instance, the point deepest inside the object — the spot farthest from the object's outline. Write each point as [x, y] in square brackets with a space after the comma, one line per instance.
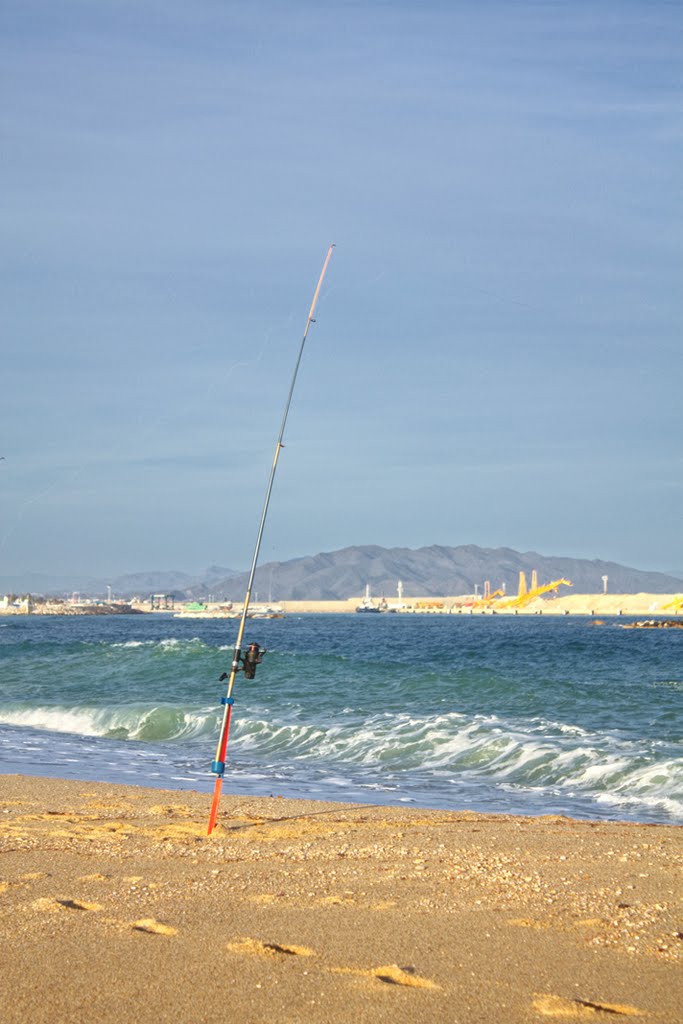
[116, 906]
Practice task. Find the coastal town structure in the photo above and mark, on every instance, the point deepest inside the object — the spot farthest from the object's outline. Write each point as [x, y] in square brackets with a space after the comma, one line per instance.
[549, 603]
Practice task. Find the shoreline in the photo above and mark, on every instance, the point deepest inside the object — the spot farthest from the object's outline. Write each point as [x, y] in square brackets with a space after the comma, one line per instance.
[581, 605]
[113, 898]
[201, 786]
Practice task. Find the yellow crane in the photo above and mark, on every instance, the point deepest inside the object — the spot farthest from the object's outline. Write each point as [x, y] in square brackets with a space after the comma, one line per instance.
[676, 605]
[524, 599]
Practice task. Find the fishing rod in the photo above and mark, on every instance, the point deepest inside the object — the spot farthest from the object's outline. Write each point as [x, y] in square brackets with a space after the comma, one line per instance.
[249, 662]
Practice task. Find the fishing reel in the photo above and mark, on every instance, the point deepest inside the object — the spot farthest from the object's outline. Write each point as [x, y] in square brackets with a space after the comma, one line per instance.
[246, 662]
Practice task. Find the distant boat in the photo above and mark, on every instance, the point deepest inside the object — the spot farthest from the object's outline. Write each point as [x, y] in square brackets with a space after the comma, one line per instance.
[268, 612]
[366, 605]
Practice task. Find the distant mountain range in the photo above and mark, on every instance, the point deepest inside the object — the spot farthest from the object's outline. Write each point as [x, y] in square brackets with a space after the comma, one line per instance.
[171, 582]
[336, 575]
[434, 571]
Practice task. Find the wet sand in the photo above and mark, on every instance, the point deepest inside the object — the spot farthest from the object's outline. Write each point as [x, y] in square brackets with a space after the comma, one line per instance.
[116, 906]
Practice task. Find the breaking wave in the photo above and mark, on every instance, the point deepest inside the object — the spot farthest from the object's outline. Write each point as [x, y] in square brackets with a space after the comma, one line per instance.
[153, 724]
[536, 755]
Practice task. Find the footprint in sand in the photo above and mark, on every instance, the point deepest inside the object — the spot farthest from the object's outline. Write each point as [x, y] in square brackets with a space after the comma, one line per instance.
[78, 905]
[392, 974]
[255, 947]
[557, 1006]
[52, 905]
[395, 975]
[148, 924]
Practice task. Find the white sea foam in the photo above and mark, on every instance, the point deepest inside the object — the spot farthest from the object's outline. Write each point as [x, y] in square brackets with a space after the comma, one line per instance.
[169, 644]
[655, 785]
[532, 756]
[605, 767]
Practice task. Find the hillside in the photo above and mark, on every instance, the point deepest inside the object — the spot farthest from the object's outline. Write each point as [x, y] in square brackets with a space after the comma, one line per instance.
[434, 570]
[336, 575]
[172, 582]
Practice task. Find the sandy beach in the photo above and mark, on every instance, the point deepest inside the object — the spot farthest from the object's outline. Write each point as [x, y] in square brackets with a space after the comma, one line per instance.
[116, 906]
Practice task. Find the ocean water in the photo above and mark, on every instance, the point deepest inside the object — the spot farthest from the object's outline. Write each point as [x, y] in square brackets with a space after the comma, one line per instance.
[525, 715]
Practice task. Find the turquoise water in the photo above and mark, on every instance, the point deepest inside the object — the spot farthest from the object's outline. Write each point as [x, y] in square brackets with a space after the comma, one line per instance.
[527, 715]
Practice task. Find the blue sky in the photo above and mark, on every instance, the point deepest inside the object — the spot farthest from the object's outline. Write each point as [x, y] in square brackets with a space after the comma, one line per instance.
[497, 358]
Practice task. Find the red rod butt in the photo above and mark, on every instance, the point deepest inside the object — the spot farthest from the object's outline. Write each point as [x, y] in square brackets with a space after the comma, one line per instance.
[214, 805]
